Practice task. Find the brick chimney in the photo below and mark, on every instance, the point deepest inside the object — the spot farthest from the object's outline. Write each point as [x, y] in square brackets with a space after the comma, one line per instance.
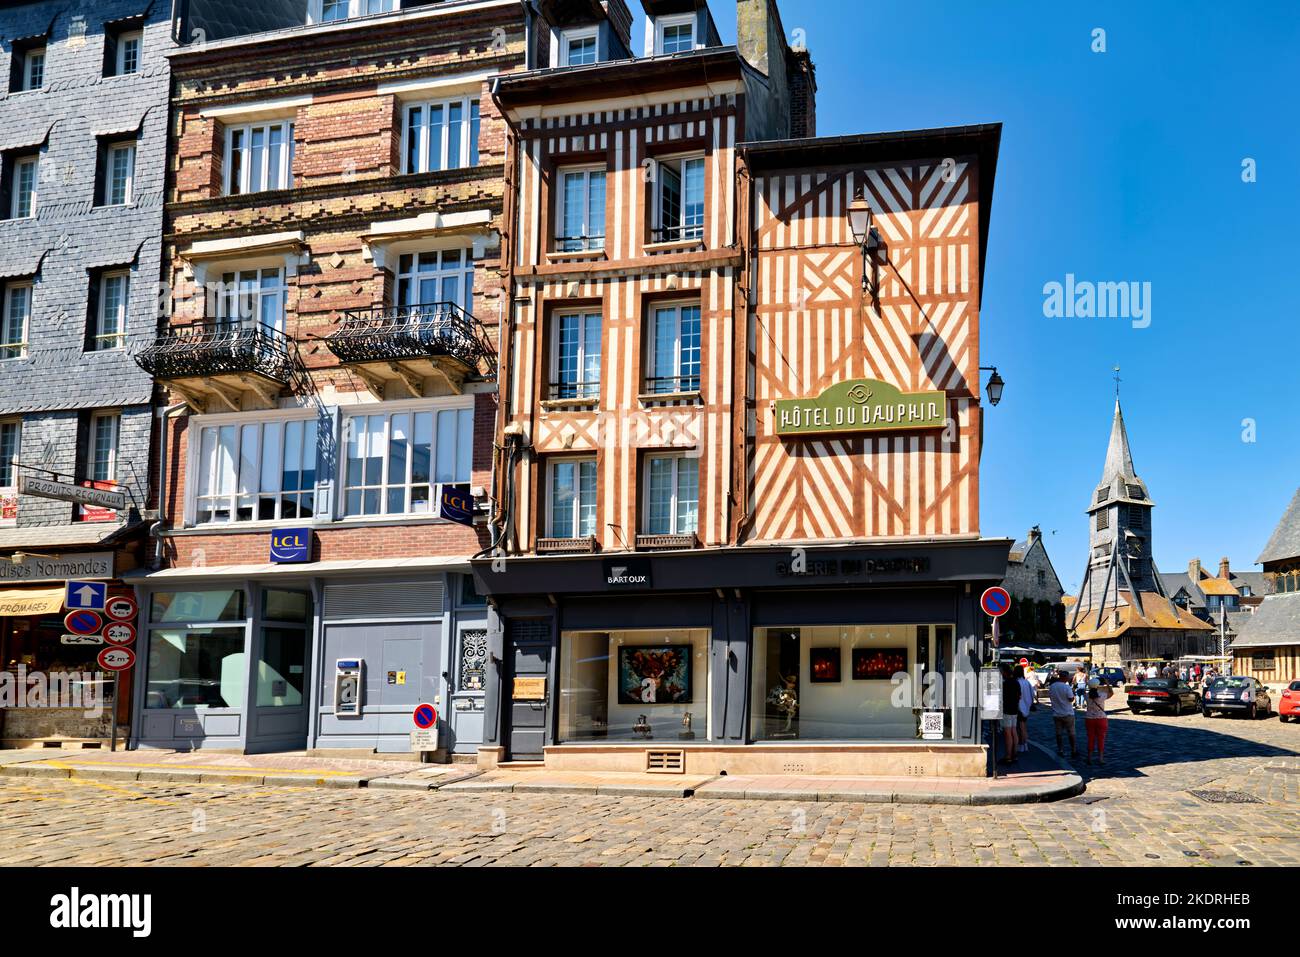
[1194, 571]
[1224, 572]
[620, 17]
[1035, 534]
[763, 42]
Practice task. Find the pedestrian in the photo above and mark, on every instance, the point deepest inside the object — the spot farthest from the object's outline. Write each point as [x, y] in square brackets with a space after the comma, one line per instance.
[1095, 722]
[1062, 697]
[1026, 706]
[1010, 715]
[1081, 688]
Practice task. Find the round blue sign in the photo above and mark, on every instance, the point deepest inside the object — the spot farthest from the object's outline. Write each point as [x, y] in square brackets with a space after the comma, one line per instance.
[425, 717]
[996, 602]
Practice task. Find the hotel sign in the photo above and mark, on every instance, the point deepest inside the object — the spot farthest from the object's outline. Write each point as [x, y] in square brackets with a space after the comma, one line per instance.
[861, 405]
[38, 568]
[67, 492]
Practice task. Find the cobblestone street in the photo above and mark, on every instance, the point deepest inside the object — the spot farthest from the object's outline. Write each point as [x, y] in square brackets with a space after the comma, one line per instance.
[1175, 791]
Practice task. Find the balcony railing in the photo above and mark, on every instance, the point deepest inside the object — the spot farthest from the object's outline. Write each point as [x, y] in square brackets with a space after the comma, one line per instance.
[665, 543]
[427, 331]
[568, 546]
[672, 385]
[220, 348]
[574, 390]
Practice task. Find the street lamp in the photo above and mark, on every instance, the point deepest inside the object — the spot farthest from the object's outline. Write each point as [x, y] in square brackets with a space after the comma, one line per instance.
[864, 234]
[995, 384]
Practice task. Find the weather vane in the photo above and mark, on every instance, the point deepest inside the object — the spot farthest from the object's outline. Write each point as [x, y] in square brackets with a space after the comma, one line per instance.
[1117, 382]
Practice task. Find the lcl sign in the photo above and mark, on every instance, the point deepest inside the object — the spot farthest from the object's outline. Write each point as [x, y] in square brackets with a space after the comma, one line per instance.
[290, 545]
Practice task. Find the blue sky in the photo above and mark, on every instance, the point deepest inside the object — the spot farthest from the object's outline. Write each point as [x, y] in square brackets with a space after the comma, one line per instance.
[1117, 166]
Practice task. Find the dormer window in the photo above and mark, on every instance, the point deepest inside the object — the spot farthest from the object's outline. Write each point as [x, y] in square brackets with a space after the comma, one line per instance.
[578, 46]
[332, 11]
[674, 34]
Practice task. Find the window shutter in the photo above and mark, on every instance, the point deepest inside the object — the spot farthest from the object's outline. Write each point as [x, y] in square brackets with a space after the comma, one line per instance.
[92, 311]
[101, 173]
[6, 185]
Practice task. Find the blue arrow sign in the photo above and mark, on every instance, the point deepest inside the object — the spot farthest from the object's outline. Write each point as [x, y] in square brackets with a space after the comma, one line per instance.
[86, 595]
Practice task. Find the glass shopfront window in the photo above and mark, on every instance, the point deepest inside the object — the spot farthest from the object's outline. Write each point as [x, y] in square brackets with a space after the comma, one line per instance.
[838, 682]
[196, 668]
[634, 685]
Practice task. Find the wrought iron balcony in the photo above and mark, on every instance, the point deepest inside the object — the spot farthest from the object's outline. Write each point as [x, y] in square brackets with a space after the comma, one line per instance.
[665, 543]
[409, 343]
[223, 358]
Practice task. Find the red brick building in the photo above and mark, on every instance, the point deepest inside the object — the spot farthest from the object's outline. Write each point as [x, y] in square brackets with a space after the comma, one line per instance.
[332, 249]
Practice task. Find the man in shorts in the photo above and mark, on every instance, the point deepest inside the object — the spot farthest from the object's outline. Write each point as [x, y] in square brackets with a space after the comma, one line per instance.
[1010, 715]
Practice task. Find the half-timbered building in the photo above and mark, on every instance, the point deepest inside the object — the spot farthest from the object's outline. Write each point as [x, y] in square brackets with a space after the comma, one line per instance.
[737, 486]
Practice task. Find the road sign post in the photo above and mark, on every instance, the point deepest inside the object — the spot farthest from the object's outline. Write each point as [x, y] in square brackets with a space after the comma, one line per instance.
[82, 595]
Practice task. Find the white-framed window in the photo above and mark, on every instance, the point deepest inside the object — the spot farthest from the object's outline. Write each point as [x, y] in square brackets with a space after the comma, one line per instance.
[26, 174]
[251, 297]
[578, 47]
[32, 70]
[571, 498]
[674, 34]
[436, 276]
[110, 318]
[11, 437]
[332, 11]
[259, 156]
[16, 317]
[262, 471]
[396, 462]
[672, 494]
[126, 58]
[101, 453]
[581, 212]
[575, 351]
[679, 200]
[674, 338]
[119, 173]
[441, 134]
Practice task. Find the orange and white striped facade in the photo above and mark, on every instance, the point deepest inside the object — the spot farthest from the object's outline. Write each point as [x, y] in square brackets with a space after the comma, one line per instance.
[622, 282]
[812, 326]
[778, 278]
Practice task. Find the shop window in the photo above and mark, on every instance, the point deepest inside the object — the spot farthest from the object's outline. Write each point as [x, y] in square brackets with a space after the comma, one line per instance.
[254, 472]
[259, 156]
[15, 319]
[278, 605]
[196, 668]
[571, 494]
[427, 280]
[398, 462]
[204, 607]
[11, 431]
[581, 212]
[441, 134]
[634, 685]
[575, 355]
[679, 199]
[250, 297]
[674, 347]
[109, 297]
[838, 682]
[469, 596]
[672, 505]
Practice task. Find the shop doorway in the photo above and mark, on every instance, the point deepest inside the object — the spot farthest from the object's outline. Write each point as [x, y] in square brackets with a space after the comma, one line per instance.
[279, 699]
[526, 691]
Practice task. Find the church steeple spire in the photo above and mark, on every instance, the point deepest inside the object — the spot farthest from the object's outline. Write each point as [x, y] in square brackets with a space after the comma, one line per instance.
[1119, 458]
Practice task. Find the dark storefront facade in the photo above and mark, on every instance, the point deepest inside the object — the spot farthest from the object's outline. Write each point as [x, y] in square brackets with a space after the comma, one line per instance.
[773, 648]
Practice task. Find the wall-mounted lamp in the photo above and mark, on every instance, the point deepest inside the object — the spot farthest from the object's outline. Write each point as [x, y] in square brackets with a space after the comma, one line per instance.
[861, 218]
[995, 384]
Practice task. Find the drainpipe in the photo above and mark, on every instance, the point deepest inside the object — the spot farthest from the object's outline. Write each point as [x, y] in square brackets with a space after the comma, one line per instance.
[156, 529]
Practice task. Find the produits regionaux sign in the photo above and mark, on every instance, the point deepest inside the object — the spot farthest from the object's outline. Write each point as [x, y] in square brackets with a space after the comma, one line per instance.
[861, 405]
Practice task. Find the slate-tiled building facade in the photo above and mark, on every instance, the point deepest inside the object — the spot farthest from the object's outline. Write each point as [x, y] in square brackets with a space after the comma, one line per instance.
[83, 139]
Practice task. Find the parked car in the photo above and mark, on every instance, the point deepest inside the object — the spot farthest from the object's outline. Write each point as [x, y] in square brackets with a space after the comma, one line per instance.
[1172, 694]
[1288, 706]
[1112, 676]
[1240, 694]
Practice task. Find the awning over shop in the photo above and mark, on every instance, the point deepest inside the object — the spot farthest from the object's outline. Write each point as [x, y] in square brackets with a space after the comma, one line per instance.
[15, 602]
[364, 566]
